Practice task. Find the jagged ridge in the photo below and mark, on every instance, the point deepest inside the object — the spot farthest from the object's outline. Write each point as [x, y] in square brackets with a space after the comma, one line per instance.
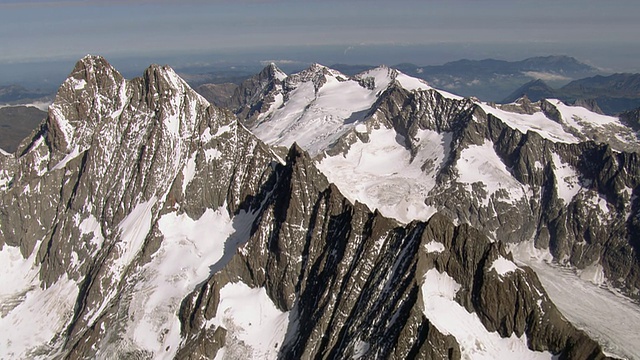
[137, 202]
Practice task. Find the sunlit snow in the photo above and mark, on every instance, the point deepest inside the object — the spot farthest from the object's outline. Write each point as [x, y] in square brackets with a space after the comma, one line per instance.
[255, 328]
[30, 317]
[503, 266]
[438, 292]
[481, 164]
[434, 247]
[567, 183]
[183, 260]
[191, 251]
[536, 122]
[604, 315]
[315, 120]
[388, 179]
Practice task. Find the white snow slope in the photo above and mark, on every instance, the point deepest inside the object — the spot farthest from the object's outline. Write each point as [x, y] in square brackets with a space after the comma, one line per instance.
[316, 119]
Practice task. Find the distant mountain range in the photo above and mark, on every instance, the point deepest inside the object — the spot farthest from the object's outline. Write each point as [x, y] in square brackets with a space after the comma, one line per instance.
[613, 94]
[490, 79]
[13, 93]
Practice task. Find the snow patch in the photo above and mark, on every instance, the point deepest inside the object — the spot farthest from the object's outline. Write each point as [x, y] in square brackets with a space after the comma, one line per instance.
[503, 266]
[191, 251]
[277, 102]
[70, 156]
[91, 226]
[78, 84]
[480, 163]
[63, 124]
[411, 83]
[182, 262]
[537, 122]
[434, 247]
[135, 228]
[361, 348]
[361, 128]
[256, 328]
[212, 154]
[567, 180]
[314, 120]
[438, 293]
[31, 317]
[188, 172]
[579, 117]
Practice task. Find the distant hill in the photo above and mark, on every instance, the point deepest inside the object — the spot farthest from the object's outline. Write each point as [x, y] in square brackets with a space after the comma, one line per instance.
[534, 90]
[613, 94]
[12, 93]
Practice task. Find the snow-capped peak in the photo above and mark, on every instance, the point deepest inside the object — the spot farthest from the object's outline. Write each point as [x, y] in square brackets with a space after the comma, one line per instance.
[272, 71]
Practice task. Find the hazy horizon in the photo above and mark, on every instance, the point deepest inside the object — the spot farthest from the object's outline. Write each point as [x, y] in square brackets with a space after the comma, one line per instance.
[44, 38]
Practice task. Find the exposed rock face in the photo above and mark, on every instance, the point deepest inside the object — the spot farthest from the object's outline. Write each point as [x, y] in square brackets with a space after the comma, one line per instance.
[570, 190]
[631, 118]
[111, 156]
[137, 207]
[595, 225]
[217, 94]
[589, 104]
[353, 276]
[257, 94]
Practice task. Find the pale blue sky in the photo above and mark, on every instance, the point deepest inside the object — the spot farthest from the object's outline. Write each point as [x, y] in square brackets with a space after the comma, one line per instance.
[37, 30]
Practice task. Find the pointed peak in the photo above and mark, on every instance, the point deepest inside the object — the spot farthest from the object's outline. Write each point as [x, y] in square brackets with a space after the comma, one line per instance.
[90, 72]
[295, 151]
[316, 71]
[170, 78]
[317, 66]
[272, 71]
[91, 64]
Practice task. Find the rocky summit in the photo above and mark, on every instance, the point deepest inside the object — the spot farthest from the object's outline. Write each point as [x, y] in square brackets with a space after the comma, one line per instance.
[141, 222]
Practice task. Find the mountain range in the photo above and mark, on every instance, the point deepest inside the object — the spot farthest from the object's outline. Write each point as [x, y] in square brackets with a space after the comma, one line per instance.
[611, 94]
[491, 79]
[321, 216]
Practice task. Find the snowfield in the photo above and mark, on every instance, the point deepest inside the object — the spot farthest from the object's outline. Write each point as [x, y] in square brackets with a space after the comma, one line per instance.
[388, 178]
[255, 328]
[31, 317]
[607, 317]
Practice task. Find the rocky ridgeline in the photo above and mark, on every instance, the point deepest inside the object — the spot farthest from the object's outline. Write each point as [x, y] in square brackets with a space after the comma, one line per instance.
[578, 233]
[597, 227]
[359, 275]
[85, 194]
